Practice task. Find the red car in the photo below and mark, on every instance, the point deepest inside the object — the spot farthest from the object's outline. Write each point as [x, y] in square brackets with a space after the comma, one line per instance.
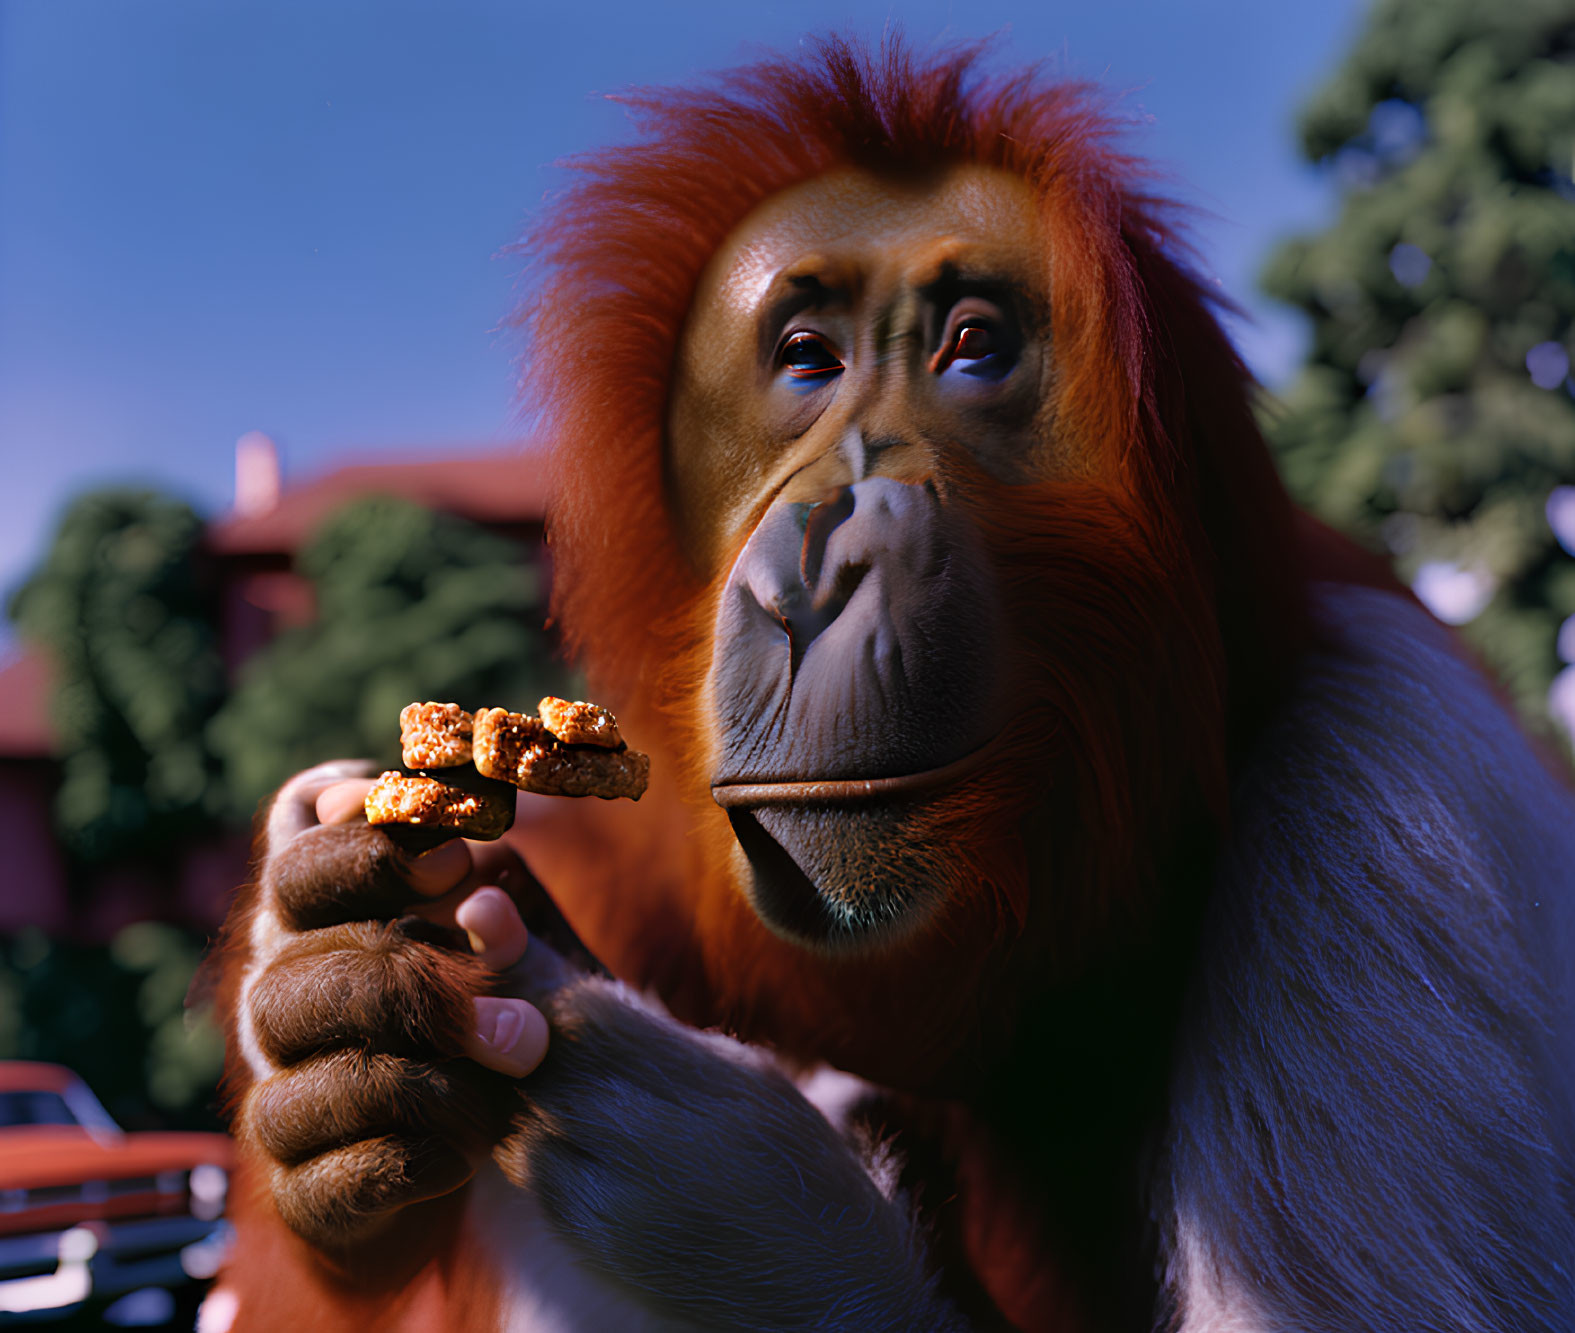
[89, 1212]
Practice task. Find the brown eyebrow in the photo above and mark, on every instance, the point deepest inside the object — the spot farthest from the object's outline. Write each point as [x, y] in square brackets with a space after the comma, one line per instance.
[977, 271]
[805, 286]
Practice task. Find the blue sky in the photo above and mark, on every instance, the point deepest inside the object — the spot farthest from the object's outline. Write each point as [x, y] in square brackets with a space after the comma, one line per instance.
[289, 215]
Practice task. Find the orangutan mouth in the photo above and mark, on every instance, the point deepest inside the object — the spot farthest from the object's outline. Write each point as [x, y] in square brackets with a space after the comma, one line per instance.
[843, 791]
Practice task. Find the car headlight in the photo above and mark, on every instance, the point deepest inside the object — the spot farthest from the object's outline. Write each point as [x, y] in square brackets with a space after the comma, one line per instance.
[208, 1185]
[77, 1246]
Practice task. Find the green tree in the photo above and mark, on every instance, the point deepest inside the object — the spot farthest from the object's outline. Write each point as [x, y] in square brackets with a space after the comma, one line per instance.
[1434, 417]
[116, 1015]
[411, 605]
[119, 606]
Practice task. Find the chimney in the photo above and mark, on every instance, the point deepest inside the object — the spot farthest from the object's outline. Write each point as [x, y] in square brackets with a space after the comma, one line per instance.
[256, 475]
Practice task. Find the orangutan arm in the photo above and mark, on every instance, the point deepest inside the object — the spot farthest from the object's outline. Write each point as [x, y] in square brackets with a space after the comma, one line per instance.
[682, 1170]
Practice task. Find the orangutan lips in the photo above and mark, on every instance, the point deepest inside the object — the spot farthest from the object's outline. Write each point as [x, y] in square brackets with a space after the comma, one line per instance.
[840, 791]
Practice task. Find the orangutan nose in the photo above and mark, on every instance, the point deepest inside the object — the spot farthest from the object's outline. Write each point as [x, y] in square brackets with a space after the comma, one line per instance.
[853, 639]
[806, 561]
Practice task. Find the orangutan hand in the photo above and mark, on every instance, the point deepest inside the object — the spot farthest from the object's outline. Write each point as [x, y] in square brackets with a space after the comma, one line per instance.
[379, 1069]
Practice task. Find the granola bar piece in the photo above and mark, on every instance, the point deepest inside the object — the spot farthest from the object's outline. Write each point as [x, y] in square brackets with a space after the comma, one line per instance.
[434, 735]
[479, 808]
[580, 723]
[500, 738]
[519, 749]
[562, 770]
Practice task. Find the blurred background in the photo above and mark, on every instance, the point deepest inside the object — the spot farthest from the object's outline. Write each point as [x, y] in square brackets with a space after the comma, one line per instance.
[265, 479]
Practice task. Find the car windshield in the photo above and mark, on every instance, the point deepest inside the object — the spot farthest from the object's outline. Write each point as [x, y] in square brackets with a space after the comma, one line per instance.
[31, 1107]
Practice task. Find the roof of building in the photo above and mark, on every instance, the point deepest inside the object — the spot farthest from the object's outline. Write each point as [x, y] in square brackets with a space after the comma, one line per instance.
[503, 487]
[25, 680]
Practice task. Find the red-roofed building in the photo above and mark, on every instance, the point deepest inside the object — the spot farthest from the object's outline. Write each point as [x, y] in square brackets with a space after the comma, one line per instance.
[24, 707]
[33, 891]
[502, 491]
[253, 549]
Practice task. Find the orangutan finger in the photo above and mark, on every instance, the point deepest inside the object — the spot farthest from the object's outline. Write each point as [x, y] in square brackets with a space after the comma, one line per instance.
[365, 984]
[348, 872]
[491, 922]
[500, 863]
[349, 1096]
[344, 802]
[294, 807]
[344, 1194]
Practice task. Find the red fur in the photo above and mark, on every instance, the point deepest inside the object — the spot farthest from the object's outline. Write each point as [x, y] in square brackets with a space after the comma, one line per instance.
[425, 1275]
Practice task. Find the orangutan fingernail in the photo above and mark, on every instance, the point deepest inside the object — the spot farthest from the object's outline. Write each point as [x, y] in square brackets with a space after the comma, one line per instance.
[440, 868]
[511, 1036]
[499, 1025]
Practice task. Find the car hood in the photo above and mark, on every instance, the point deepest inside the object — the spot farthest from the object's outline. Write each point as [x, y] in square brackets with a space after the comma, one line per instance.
[34, 1156]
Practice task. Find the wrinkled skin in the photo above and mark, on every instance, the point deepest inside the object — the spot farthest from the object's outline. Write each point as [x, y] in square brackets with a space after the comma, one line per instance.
[856, 340]
[885, 272]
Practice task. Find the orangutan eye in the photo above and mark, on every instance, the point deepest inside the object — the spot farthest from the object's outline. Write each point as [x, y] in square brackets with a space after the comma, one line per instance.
[805, 356]
[975, 344]
[970, 342]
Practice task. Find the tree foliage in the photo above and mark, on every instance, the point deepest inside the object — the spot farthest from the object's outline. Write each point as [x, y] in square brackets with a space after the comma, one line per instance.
[153, 749]
[1434, 417]
[411, 604]
[116, 1015]
[119, 607]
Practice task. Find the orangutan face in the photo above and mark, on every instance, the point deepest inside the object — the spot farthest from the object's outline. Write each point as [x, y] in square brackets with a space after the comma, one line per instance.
[857, 343]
